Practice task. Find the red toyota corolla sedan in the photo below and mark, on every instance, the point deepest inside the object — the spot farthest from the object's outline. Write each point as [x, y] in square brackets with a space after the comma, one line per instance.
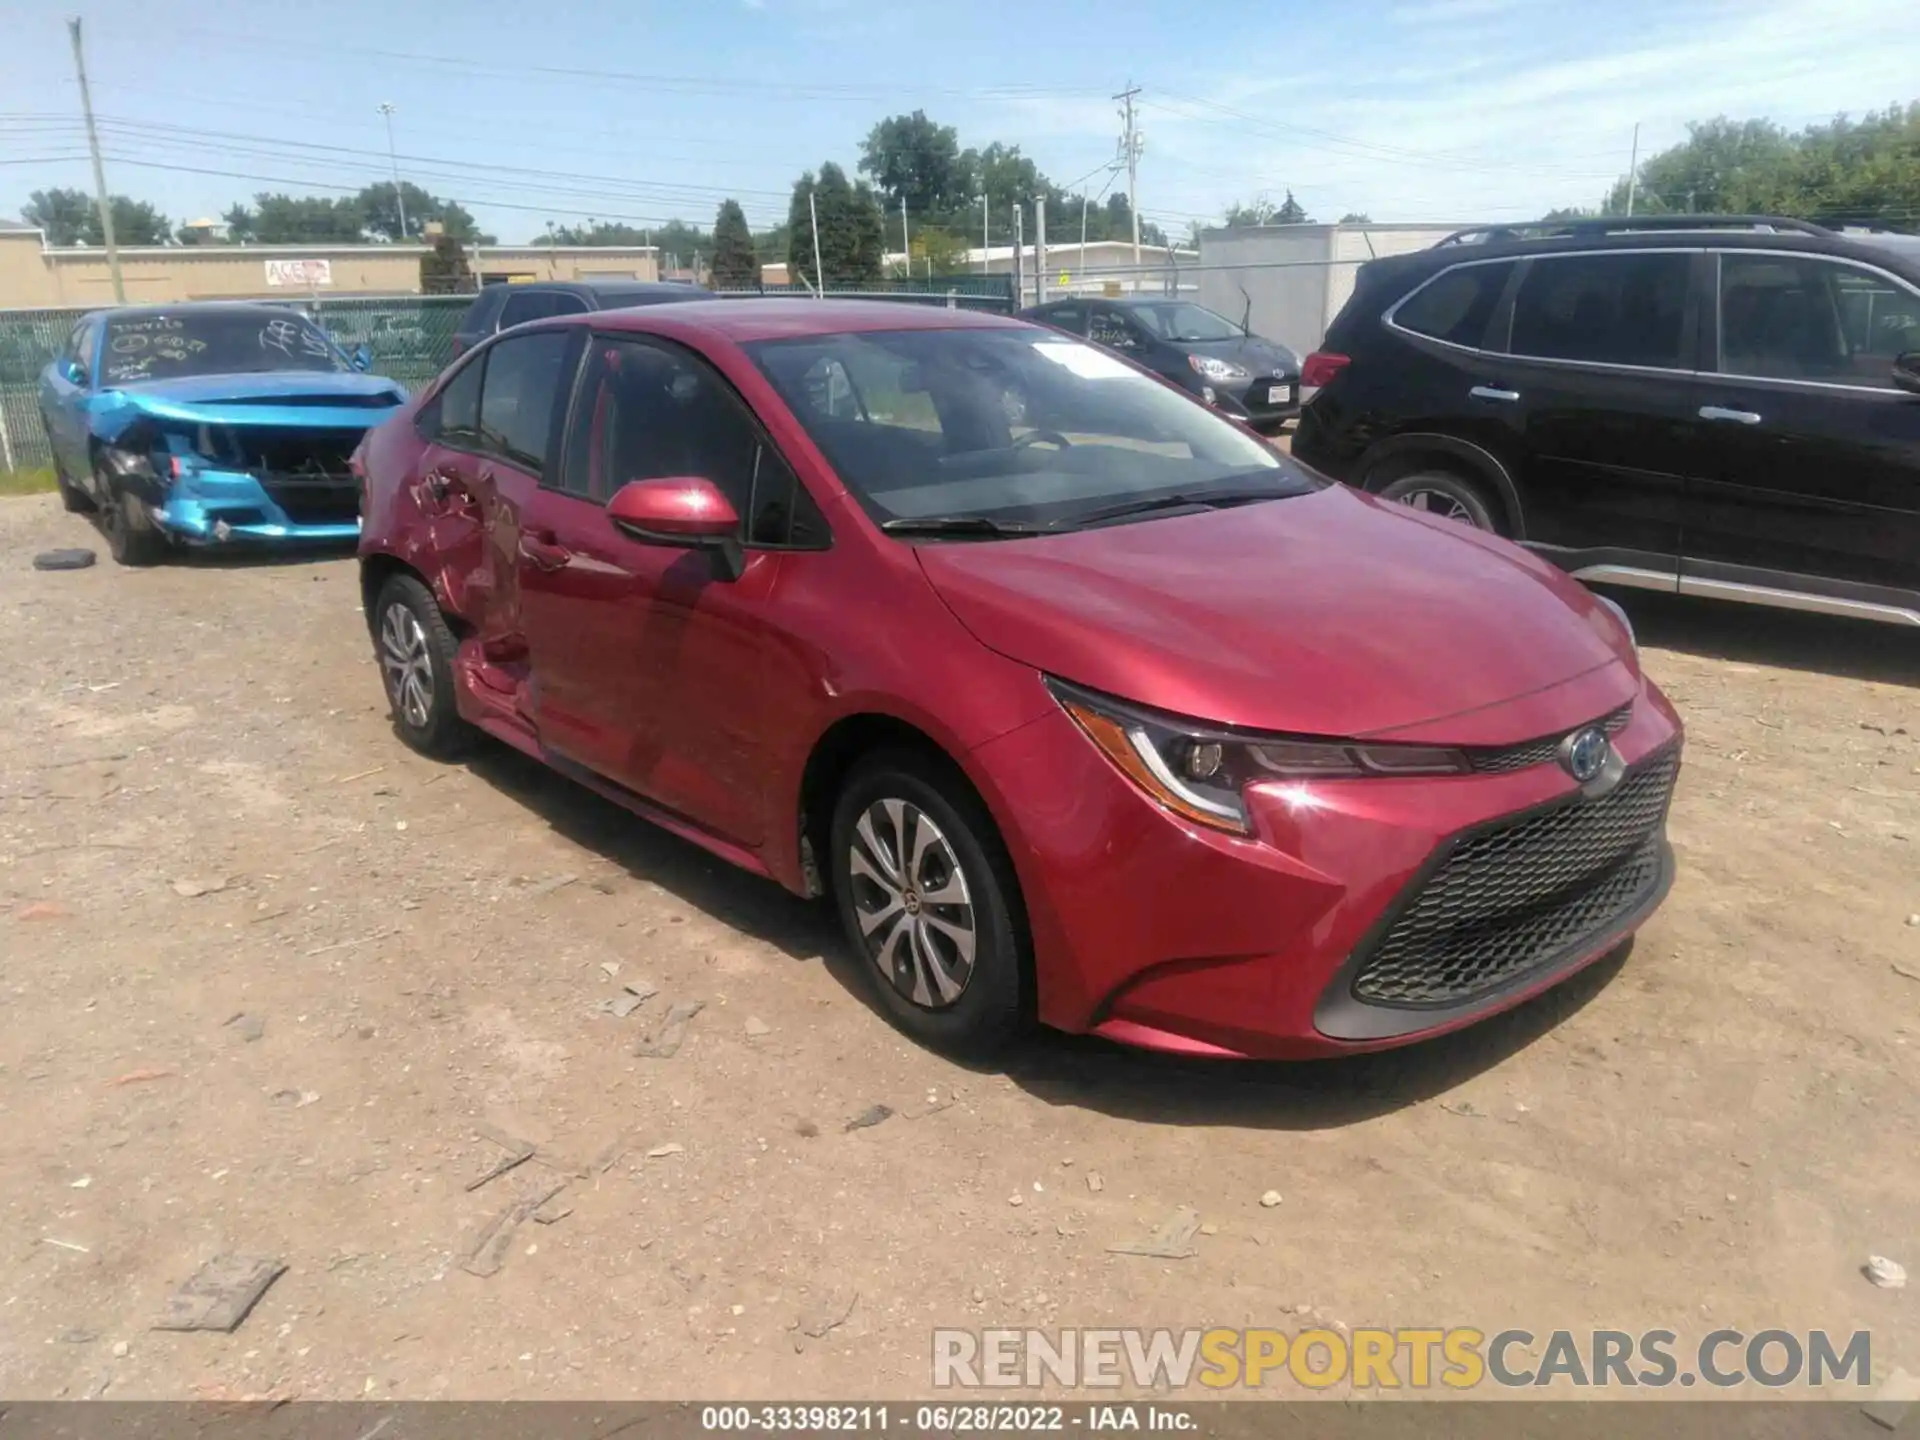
[1082, 703]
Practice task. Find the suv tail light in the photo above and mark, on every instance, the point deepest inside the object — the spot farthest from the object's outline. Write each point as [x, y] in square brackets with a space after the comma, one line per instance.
[1321, 367]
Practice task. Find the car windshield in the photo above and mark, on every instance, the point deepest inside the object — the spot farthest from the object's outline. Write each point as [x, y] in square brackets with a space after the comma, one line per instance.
[1182, 321]
[222, 342]
[990, 431]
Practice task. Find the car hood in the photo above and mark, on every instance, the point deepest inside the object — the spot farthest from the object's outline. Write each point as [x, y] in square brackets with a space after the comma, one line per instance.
[316, 399]
[1329, 614]
[1262, 357]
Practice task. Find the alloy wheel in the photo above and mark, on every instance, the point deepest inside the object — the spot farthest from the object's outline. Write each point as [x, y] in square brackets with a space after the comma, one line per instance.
[1438, 502]
[911, 898]
[407, 664]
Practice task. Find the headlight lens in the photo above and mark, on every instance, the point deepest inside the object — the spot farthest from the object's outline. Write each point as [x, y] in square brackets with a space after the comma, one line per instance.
[1216, 369]
[1201, 773]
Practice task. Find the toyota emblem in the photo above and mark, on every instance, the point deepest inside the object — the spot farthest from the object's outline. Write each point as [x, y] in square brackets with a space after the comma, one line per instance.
[1585, 754]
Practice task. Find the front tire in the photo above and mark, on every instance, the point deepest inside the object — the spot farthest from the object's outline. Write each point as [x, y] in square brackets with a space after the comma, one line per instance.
[416, 650]
[930, 904]
[132, 537]
[1439, 492]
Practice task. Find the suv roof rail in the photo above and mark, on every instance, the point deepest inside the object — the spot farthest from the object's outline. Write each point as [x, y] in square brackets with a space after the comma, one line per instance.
[1622, 224]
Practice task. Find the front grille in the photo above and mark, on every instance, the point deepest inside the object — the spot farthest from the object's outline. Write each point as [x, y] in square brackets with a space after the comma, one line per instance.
[315, 502]
[1537, 752]
[1516, 897]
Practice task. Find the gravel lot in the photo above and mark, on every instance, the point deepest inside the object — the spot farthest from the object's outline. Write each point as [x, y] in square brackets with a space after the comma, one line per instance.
[204, 815]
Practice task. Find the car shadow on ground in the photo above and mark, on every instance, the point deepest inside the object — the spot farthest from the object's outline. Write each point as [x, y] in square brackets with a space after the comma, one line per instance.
[1077, 1071]
[1789, 639]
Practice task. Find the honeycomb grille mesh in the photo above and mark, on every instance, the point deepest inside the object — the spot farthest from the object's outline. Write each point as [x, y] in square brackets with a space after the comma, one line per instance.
[1538, 752]
[1510, 899]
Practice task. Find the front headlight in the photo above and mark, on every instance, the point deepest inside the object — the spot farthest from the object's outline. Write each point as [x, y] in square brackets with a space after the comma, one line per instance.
[1201, 772]
[1216, 369]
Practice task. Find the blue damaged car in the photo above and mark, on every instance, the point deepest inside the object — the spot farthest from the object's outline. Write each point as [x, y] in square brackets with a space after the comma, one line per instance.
[209, 424]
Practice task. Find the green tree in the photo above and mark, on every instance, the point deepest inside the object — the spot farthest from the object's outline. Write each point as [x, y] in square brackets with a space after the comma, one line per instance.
[735, 265]
[62, 214]
[1356, 217]
[1291, 212]
[1252, 213]
[938, 251]
[69, 217]
[298, 220]
[381, 214]
[1843, 172]
[852, 239]
[911, 158]
[800, 240]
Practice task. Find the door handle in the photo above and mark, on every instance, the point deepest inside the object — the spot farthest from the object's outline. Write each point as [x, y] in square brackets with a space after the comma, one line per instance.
[544, 552]
[1494, 392]
[1721, 412]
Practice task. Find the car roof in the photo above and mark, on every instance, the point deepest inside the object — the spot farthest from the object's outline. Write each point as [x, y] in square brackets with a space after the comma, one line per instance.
[789, 318]
[602, 289]
[1868, 250]
[199, 307]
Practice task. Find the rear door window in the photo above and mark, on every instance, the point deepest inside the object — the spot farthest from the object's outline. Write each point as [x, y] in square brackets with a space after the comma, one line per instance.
[1116, 332]
[1070, 318]
[87, 337]
[1615, 308]
[1456, 306]
[526, 376]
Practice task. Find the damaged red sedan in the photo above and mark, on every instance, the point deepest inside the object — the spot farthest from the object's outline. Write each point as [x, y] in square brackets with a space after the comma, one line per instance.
[1083, 704]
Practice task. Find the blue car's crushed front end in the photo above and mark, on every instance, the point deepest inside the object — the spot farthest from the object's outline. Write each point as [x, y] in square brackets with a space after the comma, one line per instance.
[245, 458]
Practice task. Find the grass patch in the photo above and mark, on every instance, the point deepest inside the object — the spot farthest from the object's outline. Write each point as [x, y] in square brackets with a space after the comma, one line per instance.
[26, 482]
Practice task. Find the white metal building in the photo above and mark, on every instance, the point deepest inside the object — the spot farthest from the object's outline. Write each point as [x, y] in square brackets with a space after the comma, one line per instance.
[1105, 267]
[1287, 282]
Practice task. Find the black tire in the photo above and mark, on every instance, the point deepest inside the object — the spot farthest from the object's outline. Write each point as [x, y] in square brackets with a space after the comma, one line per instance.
[434, 727]
[992, 1005]
[132, 537]
[1453, 496]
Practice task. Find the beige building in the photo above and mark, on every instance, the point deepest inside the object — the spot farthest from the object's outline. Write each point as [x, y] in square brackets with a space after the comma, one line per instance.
[36, 276]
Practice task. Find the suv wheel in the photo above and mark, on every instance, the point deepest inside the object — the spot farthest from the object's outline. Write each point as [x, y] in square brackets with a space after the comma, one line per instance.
[416, 651]
[929, 902]
[1445, 495]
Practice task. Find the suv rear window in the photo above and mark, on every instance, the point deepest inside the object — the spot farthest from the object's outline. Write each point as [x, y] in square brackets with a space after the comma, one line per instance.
[1620, 308]
[1457, 305]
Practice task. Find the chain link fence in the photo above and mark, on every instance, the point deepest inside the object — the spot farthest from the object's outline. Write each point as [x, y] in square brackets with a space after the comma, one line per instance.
[411, 337]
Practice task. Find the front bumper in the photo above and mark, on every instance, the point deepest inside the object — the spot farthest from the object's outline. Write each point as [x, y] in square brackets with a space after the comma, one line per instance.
[216, 507]
[1253, 401]
[1158, 933]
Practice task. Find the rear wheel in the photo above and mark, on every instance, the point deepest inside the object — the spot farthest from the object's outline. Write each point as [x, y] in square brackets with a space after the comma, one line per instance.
[928, 899]
[1451, 497]
[132, 537]
[416, 650]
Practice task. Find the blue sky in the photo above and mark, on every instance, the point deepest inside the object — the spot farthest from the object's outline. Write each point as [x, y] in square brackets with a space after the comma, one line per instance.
[556, 110]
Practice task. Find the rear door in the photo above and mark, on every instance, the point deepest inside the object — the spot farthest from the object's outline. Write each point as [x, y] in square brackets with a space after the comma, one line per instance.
[1812, 477]
[63, 404]
[1599, 373]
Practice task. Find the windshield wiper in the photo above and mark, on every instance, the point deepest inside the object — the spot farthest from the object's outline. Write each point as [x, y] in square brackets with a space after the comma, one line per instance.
[959, 525]
[1212, 500]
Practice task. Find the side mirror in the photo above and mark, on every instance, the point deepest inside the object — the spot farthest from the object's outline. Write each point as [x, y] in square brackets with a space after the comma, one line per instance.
[682, 510]
[362, 358]
[1906, 371]
[73, 372]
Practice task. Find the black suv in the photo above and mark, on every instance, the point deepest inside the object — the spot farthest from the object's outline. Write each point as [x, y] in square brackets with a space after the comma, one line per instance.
[500, 307]
[1236, 372]
[1725, 405]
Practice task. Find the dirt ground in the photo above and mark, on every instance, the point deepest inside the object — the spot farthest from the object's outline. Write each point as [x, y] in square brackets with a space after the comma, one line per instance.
[1715, 1131]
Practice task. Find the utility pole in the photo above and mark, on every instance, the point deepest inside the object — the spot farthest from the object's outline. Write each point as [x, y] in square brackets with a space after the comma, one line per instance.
[813, 220]
[386, 109]
[1019, 256]
[1039, 249]
[99, 174]
[1130, 152]
[1633, 169]
[986, 230]
[906, 245]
